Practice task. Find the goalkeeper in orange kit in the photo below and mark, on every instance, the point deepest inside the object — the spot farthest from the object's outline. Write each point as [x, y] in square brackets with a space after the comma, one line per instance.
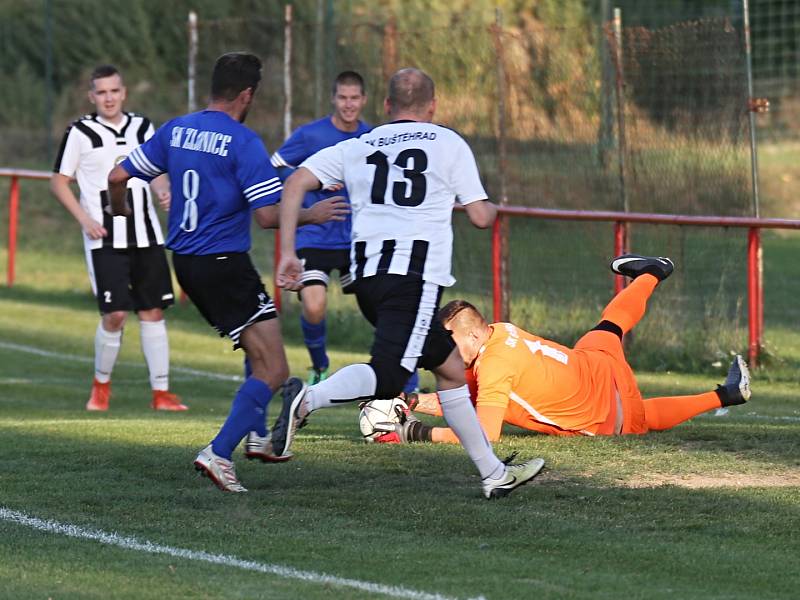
[531, 382]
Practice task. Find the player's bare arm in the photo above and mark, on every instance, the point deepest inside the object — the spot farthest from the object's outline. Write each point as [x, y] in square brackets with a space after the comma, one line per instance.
[330, 209]
[59, 186]
[335, 208]
[117, 191]
[161, 189]
[290, 268]
[481, 213]
[427, 404]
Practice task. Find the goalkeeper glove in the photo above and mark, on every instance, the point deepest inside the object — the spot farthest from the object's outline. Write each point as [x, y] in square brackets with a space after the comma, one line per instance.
[411, 399]
[408, 429]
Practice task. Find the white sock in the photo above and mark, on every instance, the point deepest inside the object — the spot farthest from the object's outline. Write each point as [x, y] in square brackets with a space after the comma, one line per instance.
[155, 346]
[106, 350]
[462, 419]
[353, 382]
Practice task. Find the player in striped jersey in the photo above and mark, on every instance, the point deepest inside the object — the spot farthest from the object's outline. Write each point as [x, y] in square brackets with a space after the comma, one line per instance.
[221, 175]
[127, 266]
[404, 179]
[537, 384]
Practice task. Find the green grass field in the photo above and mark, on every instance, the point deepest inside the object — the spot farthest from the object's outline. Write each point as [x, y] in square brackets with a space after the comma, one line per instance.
[108, 505]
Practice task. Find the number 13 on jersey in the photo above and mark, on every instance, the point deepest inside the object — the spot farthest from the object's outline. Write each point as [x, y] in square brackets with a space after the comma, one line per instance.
[408, 192]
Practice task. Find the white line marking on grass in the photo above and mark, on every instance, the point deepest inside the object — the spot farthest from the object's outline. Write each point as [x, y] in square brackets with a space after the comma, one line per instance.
[86, 359]
[130, 543]
[223, 377]
[771, 417]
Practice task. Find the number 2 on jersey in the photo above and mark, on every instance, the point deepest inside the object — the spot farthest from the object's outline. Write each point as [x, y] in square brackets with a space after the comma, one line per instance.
[413, 161]
[191, 189]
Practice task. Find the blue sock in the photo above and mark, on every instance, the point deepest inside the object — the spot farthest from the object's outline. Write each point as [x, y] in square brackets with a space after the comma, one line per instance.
[314, 338]
[248, 370]
[413, 383]
[248, 413]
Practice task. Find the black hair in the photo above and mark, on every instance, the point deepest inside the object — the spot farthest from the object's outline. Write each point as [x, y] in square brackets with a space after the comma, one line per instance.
[234, 72]
[348, 78]
[103, 71]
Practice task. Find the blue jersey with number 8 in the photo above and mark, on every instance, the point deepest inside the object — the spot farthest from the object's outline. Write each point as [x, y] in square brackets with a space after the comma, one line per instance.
[219, 172]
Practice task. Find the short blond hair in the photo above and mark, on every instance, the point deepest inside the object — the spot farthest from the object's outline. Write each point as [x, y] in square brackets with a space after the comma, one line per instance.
[461, 314]
[410, 90]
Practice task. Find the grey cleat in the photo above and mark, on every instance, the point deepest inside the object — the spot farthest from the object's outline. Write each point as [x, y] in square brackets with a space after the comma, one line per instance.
[260, 448]
[219, 470]
[736, 389]
[293, 417]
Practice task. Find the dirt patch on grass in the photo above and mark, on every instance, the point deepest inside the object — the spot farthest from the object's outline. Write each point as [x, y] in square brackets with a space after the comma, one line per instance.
[723, 480]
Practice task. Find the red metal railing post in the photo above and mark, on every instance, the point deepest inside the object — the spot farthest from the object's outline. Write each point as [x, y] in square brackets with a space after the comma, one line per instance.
[13, 212]
[620, 242]
[276, 291]
[497, 291]
[760, 283]
[753, 293]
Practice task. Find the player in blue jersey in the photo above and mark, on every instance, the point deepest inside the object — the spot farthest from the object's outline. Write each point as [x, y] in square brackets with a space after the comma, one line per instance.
[325, 247]
[220, 174]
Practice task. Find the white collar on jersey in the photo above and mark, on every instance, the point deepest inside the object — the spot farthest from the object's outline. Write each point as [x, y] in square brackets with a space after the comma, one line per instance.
[118, 127]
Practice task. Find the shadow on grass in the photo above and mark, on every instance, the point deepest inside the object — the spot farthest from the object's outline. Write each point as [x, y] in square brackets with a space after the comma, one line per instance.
[345, 508]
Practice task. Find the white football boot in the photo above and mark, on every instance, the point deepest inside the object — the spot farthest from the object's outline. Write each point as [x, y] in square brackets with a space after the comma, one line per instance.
[514, 476]
[219, 470]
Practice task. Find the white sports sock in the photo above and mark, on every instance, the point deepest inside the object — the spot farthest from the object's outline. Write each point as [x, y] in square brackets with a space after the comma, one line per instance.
[106, 350]
[462, 419]
[353, 382]
[155, 346]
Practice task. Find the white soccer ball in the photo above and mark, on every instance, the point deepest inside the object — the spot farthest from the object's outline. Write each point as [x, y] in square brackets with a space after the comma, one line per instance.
[378, 411]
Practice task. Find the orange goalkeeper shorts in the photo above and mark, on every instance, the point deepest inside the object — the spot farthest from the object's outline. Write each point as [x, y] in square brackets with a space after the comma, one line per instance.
[609, 344]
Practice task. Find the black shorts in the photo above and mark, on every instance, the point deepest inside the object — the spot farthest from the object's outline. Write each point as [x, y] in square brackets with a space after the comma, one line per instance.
[318, 264]
[226, 289]
[402, 309]
[131, 279]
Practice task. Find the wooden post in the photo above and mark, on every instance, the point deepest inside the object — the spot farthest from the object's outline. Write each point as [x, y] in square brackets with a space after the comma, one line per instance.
[502, 152]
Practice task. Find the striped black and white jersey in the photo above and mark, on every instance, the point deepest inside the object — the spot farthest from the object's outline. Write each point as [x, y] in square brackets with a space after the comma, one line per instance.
[404, 179]
[89, 151]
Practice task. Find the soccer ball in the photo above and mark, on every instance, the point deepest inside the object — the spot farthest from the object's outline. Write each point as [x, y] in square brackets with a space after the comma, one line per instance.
[378, 411]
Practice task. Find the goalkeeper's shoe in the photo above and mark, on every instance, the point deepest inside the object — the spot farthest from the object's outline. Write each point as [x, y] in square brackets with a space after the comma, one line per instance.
[98, 399]
[164, 400]
[219, 470]
[633, 265]
[260, 448]
[293, 417]
[736, 389]
[513, 477]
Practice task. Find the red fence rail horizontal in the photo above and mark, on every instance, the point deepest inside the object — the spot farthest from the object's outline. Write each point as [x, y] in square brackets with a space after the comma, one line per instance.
[620, 221]
[755, 290]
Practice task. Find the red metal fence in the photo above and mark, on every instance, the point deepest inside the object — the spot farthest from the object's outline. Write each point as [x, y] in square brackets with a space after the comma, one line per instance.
[13, 213]
[620, 220]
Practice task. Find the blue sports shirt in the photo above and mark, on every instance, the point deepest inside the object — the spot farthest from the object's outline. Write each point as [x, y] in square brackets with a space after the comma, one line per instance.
[306, 140]
[219, 172]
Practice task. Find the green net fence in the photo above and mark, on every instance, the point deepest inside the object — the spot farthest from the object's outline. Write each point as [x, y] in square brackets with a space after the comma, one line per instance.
[561, 109]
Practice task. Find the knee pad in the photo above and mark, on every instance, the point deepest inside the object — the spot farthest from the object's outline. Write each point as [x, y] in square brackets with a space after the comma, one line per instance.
[610, 327]
[391, 377]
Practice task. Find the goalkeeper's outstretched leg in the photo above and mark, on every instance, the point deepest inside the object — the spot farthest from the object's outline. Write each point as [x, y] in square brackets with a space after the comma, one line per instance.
[628, 307]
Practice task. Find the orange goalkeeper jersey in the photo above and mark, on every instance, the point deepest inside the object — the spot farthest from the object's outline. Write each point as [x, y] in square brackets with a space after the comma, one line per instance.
[538, 384]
